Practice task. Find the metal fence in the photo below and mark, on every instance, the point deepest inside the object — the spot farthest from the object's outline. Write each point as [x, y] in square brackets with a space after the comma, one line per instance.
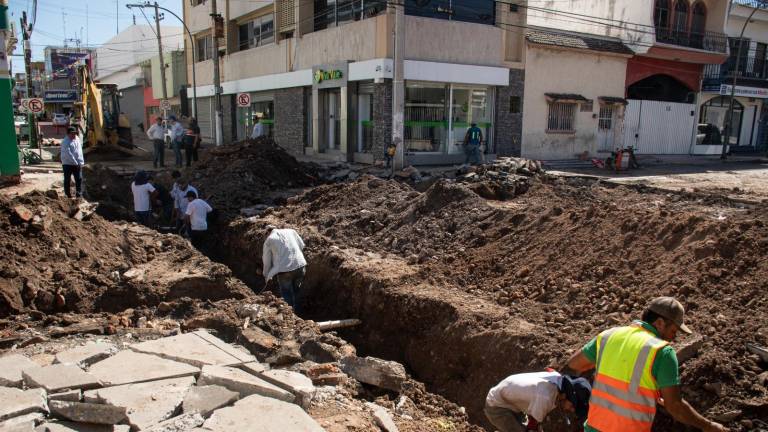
[748, 67]
[710, 41]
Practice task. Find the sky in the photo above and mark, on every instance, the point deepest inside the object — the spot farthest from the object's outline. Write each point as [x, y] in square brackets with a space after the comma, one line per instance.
[92, 21]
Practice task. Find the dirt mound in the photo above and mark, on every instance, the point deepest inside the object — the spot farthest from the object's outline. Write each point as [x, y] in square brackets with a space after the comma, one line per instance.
[58, 256]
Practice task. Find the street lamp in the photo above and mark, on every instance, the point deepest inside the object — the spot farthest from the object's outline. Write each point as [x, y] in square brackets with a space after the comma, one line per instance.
[191, 40]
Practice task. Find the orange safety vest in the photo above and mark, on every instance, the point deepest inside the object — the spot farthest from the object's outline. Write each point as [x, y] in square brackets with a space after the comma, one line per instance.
[625, 392]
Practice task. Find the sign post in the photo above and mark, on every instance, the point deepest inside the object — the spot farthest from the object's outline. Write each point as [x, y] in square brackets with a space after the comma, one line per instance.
[165, 106]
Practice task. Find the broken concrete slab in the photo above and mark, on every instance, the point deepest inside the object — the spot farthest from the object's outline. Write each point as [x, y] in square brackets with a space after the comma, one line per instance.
[70, 396]
[242, 382]
[182, 423]
[24, 423]
[15, 402]
[87, 354]
[65, 426]
[258, 341]
[146, 404]
[127, 367]
[11, 367]
[57, 377]
[206, 399]
[198, 348]
[261, 414]
[87, 412]
[374, 371]
[254, 368]
[382, 418]
[294, 382]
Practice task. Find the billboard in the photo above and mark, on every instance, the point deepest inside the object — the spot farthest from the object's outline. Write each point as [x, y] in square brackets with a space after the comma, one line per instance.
[59, 61]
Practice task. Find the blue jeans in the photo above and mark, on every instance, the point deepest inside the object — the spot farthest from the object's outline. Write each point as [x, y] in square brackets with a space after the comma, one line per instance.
[143, 217]
[290, 286]
[472, 152]
[177, 152]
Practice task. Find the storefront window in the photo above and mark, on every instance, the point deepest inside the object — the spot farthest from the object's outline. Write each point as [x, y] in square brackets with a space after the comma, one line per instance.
[470, 105]
[264, 109]
[476, 11]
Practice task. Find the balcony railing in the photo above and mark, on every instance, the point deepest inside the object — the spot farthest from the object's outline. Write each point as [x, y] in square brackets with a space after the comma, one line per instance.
[709, 41]
[751, 68]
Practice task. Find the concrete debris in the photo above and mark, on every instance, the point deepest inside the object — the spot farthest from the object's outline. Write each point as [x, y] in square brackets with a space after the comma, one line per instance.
[128, 367]
[254, 368]
[182, 423]
[319, 352]
[294, 382]
[23, 213]
[254, 210]
[257, 340]
[15, 402]
[146, 403]
[206, 399]
[326, 374]
[690, 349]
[382, 417]
[24, 423]
[261, 414]
[371, 370]
[65, 426]
[87, 412]
[71, 396]
[287, 353]
[11, 367]
[242, 382]
[86, 355]
[198, 348]
[58, 377]
[83, 211]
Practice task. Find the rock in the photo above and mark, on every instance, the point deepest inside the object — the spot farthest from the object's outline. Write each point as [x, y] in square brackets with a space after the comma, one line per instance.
[288, 353]
[198, 348]
[71, 396]
[83, 211]
[136, 274]
[87, 412]
[728, 417]
[128, 367]
[257, 341]
[22, 213]
[273, 416]
[716, 388]
[294, 382]
[206, 399]
[326, 374]
[254, 368]
[58, 377]
[382, 417]
[24, 423]
[11, 367]
[763, 379]
[319, 352]
[87, 354]
[41, 222]
[690, 349]
[164, 307]
[182, 423]
[241, 382]
[65, 426]
[146, 403]
[371, 370]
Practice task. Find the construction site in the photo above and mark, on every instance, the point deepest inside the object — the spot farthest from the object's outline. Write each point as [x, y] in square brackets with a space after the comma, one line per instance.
[422, 292]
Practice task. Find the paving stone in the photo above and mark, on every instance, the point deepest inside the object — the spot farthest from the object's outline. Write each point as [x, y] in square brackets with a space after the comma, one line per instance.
[374, 371]
[11, 367]
[23, 423]
[65, 426]
[71, 396]
[146, 403]
[198, 348]
[87, 412]
[15, 402]
[261, 414]
[58, 377]
[182, 423]
[128, 367]
[86, 354]
[206, 399]
[242, 382]
[254, 368]
[296, 383]
[382, 417]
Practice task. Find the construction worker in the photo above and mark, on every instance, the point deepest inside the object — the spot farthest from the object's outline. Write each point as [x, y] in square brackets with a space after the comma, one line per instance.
[283, 258]
[472, 141]
[636, 369]
[535, 394]
[72, 162]
[258, 128]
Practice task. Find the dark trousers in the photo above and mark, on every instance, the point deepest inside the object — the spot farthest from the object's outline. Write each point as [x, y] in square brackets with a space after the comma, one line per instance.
[290, 286]
[190, 151]
[69, 172]
[144, 217]
[159, 153]
[197, 238]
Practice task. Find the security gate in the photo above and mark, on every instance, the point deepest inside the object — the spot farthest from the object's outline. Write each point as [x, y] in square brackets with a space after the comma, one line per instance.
[606, 123]
[653, 127]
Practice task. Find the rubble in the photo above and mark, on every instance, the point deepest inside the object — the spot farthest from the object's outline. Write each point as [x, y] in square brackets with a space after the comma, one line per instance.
[58, 377]
[383, 418]
[241, 382]
[205, 399]
[299, 385]
[128, 367]
[24, 423]
[64, 426]
[87, 412]
[370, 370]
[182, 423]
[198, 349]
[87, 354]
[69, 396]
[15, 402]
[274, 416]
[11, 367]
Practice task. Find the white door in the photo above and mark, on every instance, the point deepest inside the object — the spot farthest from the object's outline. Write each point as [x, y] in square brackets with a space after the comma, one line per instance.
[659, 127]
[745, 138]
[606, 137]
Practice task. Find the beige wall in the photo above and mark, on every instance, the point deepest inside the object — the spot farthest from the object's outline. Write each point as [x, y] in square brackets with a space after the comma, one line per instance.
[757, 30]
[453, 42]
[559, 71]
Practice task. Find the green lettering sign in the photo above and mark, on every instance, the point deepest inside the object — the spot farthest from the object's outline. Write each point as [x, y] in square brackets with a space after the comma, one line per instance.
[323, 75]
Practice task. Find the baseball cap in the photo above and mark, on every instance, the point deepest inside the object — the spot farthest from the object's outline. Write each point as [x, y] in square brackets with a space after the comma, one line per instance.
[71, 129]
[670, 309]
[578, 391]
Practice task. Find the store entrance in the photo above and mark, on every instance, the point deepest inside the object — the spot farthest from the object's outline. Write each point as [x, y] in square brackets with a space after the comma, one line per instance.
[329, 119]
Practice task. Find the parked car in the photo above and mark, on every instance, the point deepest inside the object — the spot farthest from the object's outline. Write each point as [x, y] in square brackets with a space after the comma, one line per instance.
[60, 120]
[22, 127]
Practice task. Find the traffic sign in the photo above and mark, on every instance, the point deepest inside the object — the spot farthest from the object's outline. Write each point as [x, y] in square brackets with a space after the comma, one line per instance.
[33, 105]
[165, 105]
[243, 99]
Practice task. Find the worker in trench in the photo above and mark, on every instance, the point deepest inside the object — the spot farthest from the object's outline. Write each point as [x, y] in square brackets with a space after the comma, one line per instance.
[283, 258]
[636, 369]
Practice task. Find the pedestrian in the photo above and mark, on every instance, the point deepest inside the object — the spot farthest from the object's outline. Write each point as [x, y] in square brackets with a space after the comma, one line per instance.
[389, 154]
[156, 133]
[634, 368]
[191, 141]
[179, 192]
[472, 141]
[72, 162]
[535, 394]
[283, 258]
[143, 196]
[196, 217]
[177, 133]
[258, 128]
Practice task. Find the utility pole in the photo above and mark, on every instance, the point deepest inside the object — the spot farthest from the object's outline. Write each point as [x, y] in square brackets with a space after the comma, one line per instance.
[398, 86]
[218, 30]
[26, 32]
[162, 58]
[10, 171]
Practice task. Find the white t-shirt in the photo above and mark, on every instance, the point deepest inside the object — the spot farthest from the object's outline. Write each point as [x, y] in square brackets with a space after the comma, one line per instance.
[198, 211]
[180, 198]
[532, 393]
[141, 196]
[282, 252]
[258, 130]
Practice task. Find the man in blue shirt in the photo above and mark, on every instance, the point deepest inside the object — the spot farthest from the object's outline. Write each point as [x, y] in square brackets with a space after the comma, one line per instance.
[472, 141]
[72, 162]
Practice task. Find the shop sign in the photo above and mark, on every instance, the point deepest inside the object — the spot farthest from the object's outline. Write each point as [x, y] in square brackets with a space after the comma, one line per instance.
[753, 92]
[60, 96]
[324, 75]
[329, 76]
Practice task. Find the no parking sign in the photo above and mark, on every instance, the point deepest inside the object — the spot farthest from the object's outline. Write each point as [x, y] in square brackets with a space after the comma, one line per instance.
[243, 100]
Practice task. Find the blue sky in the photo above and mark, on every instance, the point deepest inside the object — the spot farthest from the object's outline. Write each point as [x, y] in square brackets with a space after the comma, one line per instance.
[92, 21]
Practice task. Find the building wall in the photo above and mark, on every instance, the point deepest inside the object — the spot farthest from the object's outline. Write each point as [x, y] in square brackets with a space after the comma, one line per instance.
[509, 126]
[453, 41]
[290, 130]
[132, 46]
[586, 73]
[639, 68]
[175, 73]
[382, 118]
[132, 104]
[757, 30]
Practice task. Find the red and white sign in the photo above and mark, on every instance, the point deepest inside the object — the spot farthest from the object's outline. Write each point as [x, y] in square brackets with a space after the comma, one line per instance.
[33, 105]
[243, 99]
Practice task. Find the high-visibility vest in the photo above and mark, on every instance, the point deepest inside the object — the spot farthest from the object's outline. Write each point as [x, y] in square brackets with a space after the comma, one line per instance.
[625, 392]
[474, 135]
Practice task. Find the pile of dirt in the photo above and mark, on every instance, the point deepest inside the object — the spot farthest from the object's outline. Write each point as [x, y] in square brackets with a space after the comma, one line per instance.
[59, 256]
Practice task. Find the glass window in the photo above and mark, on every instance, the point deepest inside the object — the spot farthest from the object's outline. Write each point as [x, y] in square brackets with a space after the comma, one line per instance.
[661, 14]
[204, 46]
[426, 123]
[561, 117]
[477, 11]
[470, 105]
[266, 112]
[258, 32]
[681, 16]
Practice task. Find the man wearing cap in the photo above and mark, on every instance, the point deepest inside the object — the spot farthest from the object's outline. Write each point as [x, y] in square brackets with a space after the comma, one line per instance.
[634, 368]
[535, 394]
[72, 162]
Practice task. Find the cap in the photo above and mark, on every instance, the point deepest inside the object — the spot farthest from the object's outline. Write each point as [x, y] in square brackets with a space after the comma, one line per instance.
[578, 391]
[173, 118]
[670, 309]
[71, 129]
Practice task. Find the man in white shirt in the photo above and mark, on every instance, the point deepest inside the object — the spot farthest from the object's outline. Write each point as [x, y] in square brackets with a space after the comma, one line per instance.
[197, 218]
[283, 257]
[72, 162]
[258, 128]
[143, 195]
[177, 133]
[179, 194]
[535, 394]
[156, 133]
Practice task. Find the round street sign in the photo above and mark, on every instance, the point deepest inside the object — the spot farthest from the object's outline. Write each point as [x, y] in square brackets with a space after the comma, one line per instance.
[243, 99]
[34, 105]
[165, 105]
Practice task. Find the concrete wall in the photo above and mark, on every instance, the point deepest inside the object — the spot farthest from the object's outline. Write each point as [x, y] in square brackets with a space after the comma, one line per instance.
[559, 71]
[124, 78]
[453, 42]
[132, 104]
[509, 126]
[757, 30]
[175, 74]
[382, 118]
[290, 130]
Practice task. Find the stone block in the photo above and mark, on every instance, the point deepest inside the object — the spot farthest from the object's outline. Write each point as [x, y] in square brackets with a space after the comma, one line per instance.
[146, 404]
[261, 414]
[128, 367]
[182, 423]
[70, 396]
[294, 382]
[198, 348]
[87, 412]
[23, 423]
[15, 402]
[58, 377]
[374, 371]
[66, 426]
[254, 368]
[206, 399]
[258, 341]
[242, 382]
[690, 349]
[382, 418]
[11, 367]
[86, 355]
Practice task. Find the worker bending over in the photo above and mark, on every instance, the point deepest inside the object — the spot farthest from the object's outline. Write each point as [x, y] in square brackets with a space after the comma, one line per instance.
[636, 369]
[283, 258]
